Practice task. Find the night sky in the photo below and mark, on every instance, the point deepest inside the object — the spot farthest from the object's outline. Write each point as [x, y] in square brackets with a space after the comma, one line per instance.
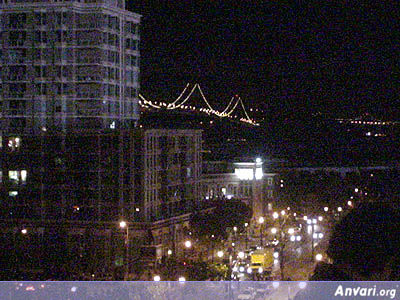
[291, 60]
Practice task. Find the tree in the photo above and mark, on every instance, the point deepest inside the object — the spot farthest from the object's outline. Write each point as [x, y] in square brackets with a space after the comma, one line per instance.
[210, 228]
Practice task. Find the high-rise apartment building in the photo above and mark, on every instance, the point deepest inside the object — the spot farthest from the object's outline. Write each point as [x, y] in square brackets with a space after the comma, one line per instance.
[68, 65]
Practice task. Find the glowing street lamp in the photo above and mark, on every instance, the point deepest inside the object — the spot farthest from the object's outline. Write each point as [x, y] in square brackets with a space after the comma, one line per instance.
[339, 209]
[318, 257]
[275, 215]
[122, 224]
[220, 254]
[182, 279]
[24, 231]
[326, 208]
[283, 212]
[157, 278]
[188, 244]
[241, 255]
[169, 252]
[274, 230]
[349, 203]
[291, 230]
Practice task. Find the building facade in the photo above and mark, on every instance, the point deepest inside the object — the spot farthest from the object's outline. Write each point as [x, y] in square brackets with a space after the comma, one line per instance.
[67, 65]
[170, 168]
[246, 181]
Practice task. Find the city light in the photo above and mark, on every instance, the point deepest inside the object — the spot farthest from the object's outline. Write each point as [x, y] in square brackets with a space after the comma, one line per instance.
[326, 208]
[309, 221]
[356, 190]
[298, 238]
[276, 261]
[349, 203]
[169, 252]
[24, 231]
[260, 270]
[241, 255]
[246, 224]
[314, 221]
[220, 254]
[274, 230]
[261, 220]
[276, 254]
[275, 215]
[305, 218]
[157, 278]
[235, 229]
[291, 230]
[241, 269]
[249, 270]
[258, 160]
[339, 209]
[292, 238]
[122, 224]
[283, 212]
[73, 289]
[182, 279]
[318, 257]
[320, 235]
[320, 218]
[275, 284]
[188, 244]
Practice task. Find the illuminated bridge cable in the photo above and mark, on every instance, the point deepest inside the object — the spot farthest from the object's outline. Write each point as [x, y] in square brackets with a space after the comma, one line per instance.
[185, 100]
[224, 111]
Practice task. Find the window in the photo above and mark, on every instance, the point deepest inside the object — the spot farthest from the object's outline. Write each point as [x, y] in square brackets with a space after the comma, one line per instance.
[13, 176]
[1, 176]
[12, 193]
[14, 143]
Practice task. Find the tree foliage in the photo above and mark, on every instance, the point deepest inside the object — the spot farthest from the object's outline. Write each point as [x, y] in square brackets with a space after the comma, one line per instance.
[227, 214]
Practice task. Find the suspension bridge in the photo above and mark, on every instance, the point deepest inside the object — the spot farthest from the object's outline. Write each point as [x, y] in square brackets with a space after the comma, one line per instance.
[235, 110]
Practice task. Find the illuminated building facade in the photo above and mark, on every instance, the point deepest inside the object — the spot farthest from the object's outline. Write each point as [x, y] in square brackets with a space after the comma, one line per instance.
[246, 181]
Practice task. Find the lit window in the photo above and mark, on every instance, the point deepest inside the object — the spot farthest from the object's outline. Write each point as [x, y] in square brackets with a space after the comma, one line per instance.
[1, 176]
[23, 175]
[12, 193]
[1, 141]
[188, 172]
[13, 175]
[223, 191]
[14, 143]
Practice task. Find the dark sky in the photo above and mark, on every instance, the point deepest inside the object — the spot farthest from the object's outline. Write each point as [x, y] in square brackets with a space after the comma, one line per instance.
[289, 59]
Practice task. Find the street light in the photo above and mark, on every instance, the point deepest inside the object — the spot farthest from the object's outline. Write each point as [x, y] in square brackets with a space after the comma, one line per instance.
[326, 208]
[182, 279]
[157, 278]
[274, 230]
[318, 257]
[24, 231]
[261, 221]
[220, 254]
[320, 218]
[169, 252]
[188, 244]
[241, 255]
[349, 203]
[275, 215]
[291, 230]
[123, 225]
[283, 212]
[339, 209]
